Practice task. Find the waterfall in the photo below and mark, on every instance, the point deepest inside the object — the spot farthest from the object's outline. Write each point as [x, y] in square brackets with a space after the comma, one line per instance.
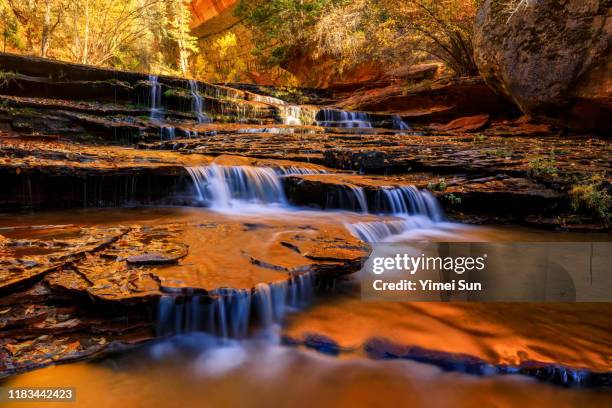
[268, 99]
[349, 197]
[232, 312]
[399, 124]
[190, 134]
[379, 231]
[361, 198]
[167, 133]
[344, 119]
[408, 200]
[157, 112]
[416, 209]
[197, 102]
[291, 115]
[224, 186]
[291, 170]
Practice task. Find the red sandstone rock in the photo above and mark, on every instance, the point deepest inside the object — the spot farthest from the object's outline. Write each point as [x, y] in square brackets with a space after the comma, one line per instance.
[466, 124]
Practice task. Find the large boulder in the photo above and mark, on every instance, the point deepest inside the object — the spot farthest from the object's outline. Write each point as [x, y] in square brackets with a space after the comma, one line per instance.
[551, 57]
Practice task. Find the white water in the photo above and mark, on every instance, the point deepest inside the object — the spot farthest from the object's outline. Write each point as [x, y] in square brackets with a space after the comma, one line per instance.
[286, 171]
[291, 115]
[190, 134]
[409, 200]
[231, 313]
[268, 99]
[197, 102]
[344, 119]
[157, 112]
[245, 190]
[224, 187]
[167, 133]
[417, 210]
[399, 124]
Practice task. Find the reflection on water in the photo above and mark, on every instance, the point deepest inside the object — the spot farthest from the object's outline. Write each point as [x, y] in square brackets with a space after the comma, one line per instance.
[197, 370]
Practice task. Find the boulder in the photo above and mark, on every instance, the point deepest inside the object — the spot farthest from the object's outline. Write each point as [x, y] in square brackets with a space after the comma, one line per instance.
[551, 57]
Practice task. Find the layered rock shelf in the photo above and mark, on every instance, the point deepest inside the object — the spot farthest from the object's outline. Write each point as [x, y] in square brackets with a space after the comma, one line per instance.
[121, 144]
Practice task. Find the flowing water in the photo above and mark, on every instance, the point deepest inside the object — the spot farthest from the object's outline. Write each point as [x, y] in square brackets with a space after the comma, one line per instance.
[291, 115]
[212, 354]
[224, 187]
[259, 189]
[157, 112]
[197, 102]
[399, 124]
[343, 119]
[234, 311]
[249, 341]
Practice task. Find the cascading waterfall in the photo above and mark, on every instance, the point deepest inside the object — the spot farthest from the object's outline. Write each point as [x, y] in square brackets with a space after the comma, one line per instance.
[287, 171]
[157, 112]
[197, 102]
[417, 209]
[348, 197]
[189, 134]
[379, 231]
[344, 119]
[409, 200]
[292, 115]
[361, 198]
[231, 313]
[224, 186]
[167, 133]
[268, 99]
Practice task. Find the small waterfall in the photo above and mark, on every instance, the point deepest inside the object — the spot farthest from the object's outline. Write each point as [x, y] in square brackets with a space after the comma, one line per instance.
[291, 170]
[291, 115]
[230, 313]
[223, 186]
[399, 124]
[157, 112]
[417, 210]
[361, 198]
[400, 201]
[379, 231]
[197, 102]
[267, 99]
[347, 197]
[167, 133]
[408, 200]
[344, 119]
[189, 134]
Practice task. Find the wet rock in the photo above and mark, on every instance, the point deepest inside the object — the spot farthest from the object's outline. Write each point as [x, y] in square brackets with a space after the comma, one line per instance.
[371, 161]
[322, 344]
[380, 348]
[98, 289]
[36, 174]
[466, 124]
[551, 57]
[514, 197]
[155, 259]
[519, 197]
[443, 100]
[21, 271]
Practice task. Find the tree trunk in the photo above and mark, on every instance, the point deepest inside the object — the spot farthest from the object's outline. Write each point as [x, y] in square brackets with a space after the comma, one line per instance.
[44, 41]
[85, 56]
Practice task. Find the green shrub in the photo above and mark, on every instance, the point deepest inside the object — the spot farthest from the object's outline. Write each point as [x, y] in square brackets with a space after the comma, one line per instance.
[439, 186]
[592, 197]
[543, 167]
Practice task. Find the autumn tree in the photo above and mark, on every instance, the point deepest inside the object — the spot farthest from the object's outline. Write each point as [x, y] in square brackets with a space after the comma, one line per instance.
[132, 34]
[390, 32]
